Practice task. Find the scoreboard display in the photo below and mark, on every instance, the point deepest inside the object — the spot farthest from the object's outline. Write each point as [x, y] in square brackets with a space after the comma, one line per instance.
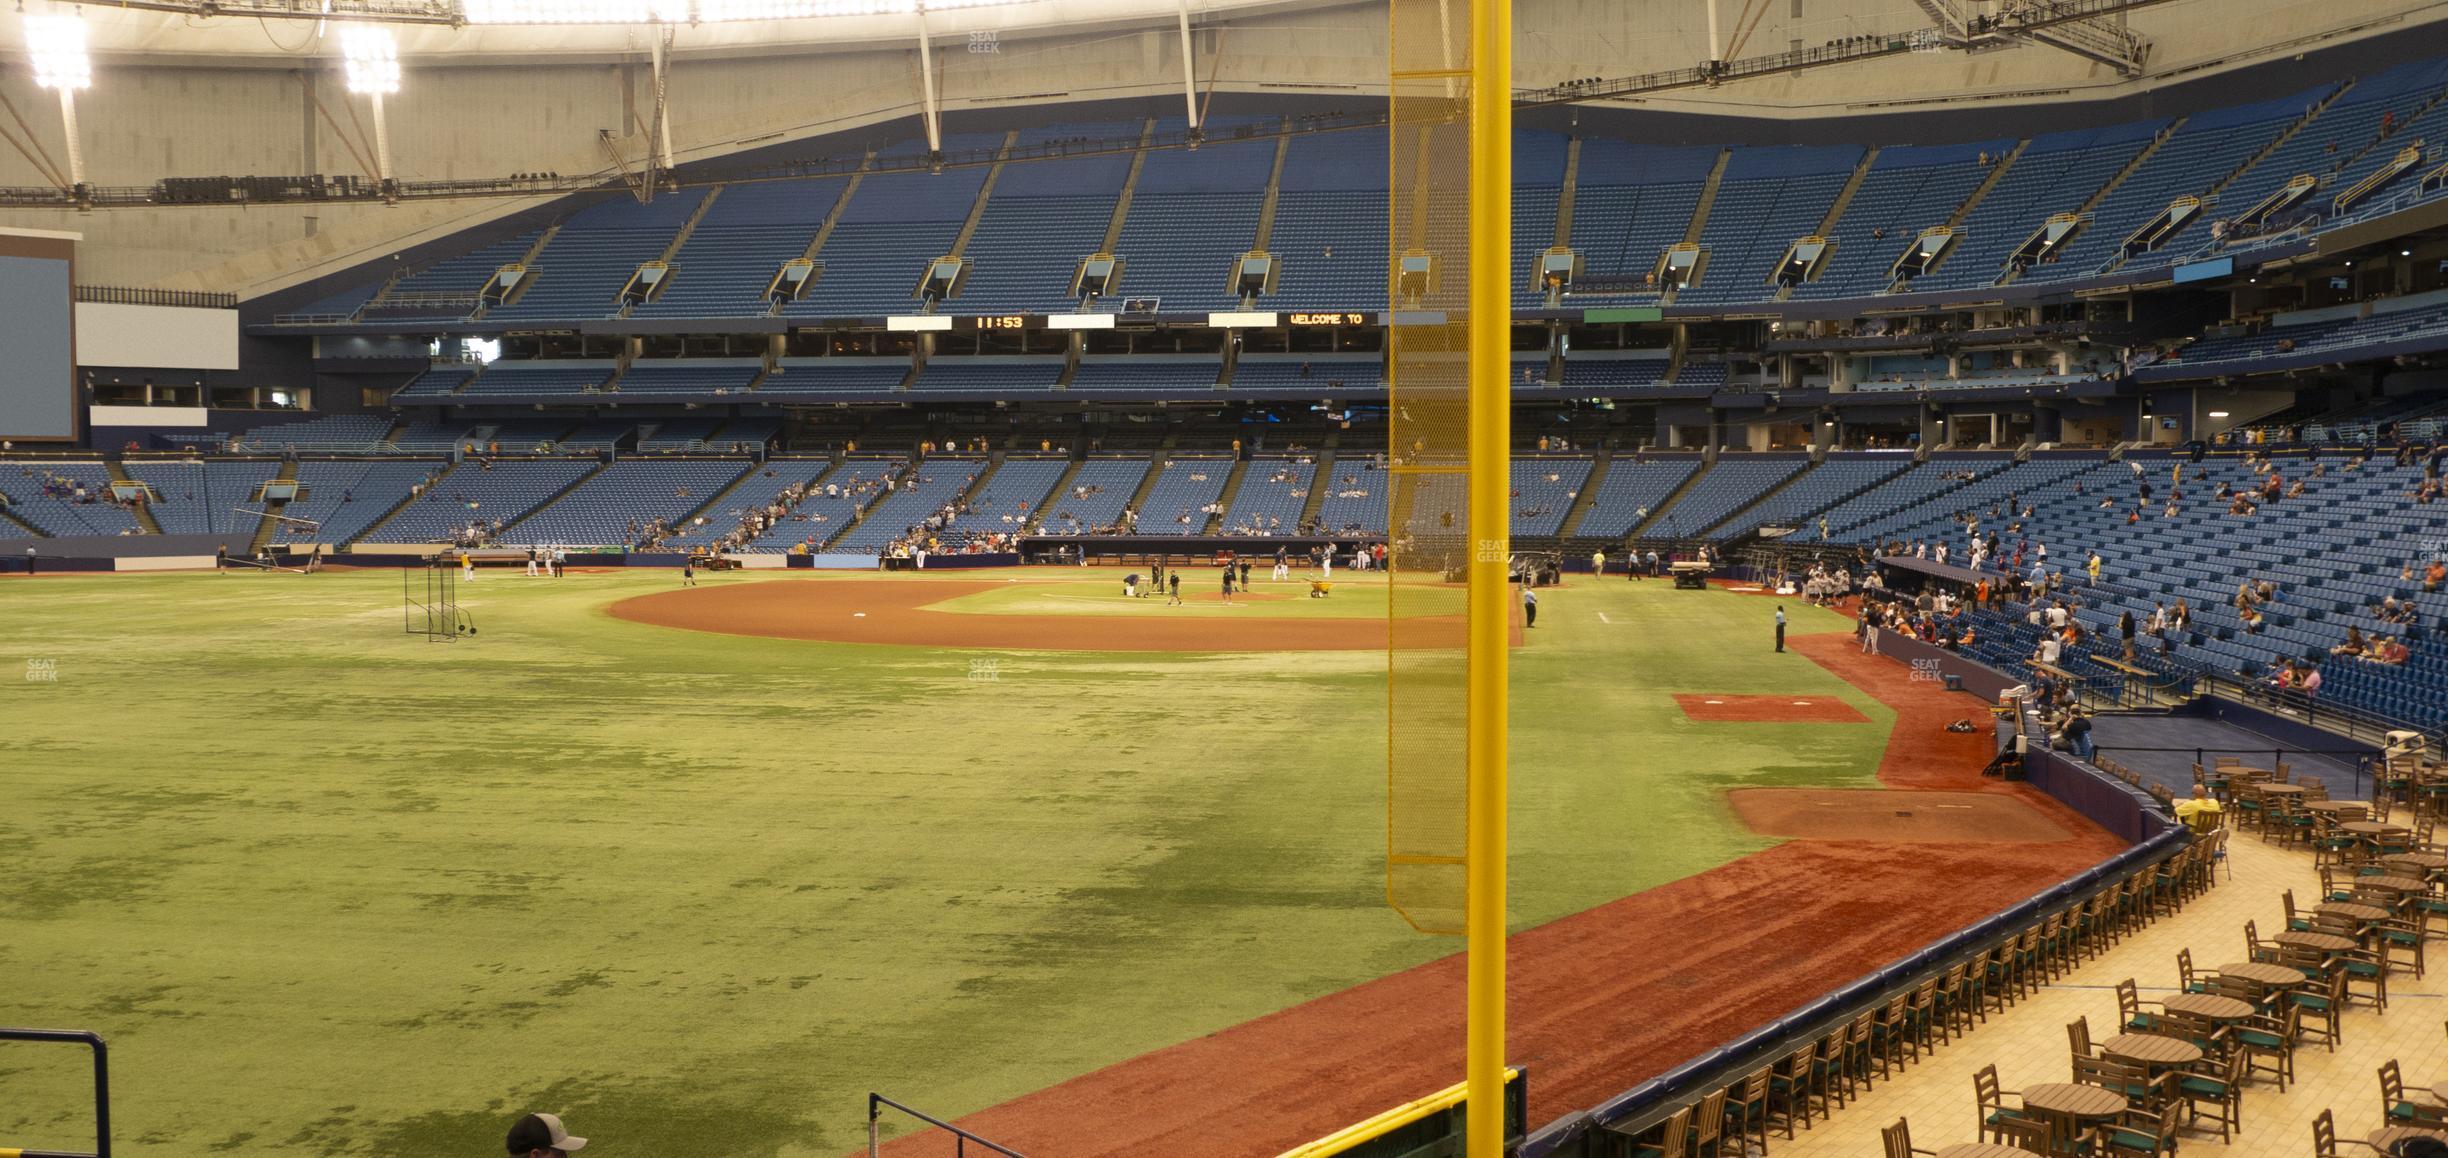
[1000, 322]
[37, 345]
[1331, 319]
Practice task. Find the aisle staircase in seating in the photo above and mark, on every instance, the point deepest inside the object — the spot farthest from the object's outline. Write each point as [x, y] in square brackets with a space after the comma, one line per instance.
[403, 503]
[142, 511]
[977, 205]
[1588, 497]
[266, 527]
[1062, 486]
[526, 260]
[1997, 173]
[9, 520]
[832, 217]
[1224, 501]
[1320, 484]
[714, 501]
[1147, 483]
[555, 497]
[1666, 504]
[1130, 185]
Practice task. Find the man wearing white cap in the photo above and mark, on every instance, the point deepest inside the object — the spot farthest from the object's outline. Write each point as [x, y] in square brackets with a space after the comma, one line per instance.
[541, 1136]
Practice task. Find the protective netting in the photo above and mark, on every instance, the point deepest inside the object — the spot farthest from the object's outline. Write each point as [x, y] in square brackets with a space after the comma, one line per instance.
[1428, 463]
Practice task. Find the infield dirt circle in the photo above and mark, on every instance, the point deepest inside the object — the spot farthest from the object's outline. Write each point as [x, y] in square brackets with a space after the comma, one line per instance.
[900, 611]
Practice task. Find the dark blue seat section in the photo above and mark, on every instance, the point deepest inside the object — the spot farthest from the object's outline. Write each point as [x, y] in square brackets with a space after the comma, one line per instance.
[1538, 187]
[687, 379]
[1040, 220]
[205, 497]
[1329, 237]
[1632, 488]
[1909, 188]
[746, 236]
[473, 492]
[1630, 203]
[1292, 376]
[2054, 174]
[1095, 496]
[446, 289]
[65, 498]
[840, 378]
[1191, 214]
[1194, 210]
[543, 380]
[989, 377]
[342, 498]
[1167, 375]
[1768, 198]
[578, 275]
[2204, 151]
[2332, 555]
[603, 510]
[337, 433]
[1819, 488]
[894, 224]
[1732, 484]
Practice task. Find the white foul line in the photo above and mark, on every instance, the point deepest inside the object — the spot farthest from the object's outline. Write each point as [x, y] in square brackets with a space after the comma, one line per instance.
[1603, 619]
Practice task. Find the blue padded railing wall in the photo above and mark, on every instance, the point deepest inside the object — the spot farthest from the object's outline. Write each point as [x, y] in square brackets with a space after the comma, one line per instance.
[2115, 806]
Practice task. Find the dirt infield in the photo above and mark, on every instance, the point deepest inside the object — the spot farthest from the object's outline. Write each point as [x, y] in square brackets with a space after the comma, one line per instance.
[1719, 709]
[897, 611]
[1599, 1000]
[1911, 817]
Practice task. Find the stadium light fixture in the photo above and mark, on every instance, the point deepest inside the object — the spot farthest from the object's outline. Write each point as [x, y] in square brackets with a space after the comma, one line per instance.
[720, 11]
[56, 41]
[372, 60]
[2218, 414]
[575, 11]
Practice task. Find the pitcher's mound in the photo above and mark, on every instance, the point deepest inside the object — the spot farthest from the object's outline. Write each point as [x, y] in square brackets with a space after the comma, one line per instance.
[1878, 814]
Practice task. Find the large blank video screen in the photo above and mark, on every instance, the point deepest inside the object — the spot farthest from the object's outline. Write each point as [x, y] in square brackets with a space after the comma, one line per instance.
[37, 351]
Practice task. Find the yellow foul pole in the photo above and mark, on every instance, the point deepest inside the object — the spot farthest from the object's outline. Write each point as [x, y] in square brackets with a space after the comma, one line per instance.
[1491, 597]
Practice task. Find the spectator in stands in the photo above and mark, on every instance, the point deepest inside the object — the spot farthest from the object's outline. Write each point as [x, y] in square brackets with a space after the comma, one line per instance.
[2354, 645]
[541, 1136]
[2077, 733]
[2435, 575]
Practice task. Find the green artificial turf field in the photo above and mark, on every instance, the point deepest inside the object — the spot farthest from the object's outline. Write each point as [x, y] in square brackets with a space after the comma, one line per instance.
[328, 888]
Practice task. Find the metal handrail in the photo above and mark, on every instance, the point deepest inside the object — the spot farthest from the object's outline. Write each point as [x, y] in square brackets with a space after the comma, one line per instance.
[101, 1077]
[960, 1138]
[139, 296]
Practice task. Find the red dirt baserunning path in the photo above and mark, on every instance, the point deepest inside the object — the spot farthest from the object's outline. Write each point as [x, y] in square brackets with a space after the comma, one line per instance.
[1599, 1000]
[900, 611]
